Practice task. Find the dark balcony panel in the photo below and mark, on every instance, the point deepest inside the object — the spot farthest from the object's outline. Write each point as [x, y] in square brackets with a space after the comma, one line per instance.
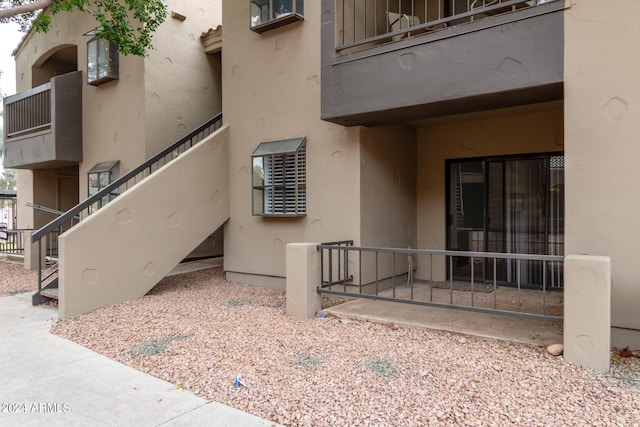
[511, 59]
[43, 126]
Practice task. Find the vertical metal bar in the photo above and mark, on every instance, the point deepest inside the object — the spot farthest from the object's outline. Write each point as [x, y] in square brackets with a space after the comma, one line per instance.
[375, 18]
[518, 273]
[426, 9]
[393, 278]
[322, 266]
[387, 17]
[360, 270]
[346, 268]
[413, 12]
[410, 273]
[495, 283]
[354, 20]
[39, 265]
[547, 209]
[343, 22]
[377, 273]
[472, 280]
[544, 288]
[430, 277]
[451, 279]
[365, 19]
[344, 271]
[330, 268]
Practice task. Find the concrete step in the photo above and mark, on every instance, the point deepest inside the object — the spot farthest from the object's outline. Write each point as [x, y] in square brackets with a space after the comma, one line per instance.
[50, 293]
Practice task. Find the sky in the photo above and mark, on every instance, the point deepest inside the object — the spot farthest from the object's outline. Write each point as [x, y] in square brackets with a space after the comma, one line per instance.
[9, 39]
[10, 36]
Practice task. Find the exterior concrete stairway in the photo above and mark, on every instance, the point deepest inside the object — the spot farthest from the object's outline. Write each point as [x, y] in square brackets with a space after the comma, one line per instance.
[125, 248]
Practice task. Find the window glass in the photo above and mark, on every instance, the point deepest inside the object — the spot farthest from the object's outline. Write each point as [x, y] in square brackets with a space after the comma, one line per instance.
[98, 178]
[92, 61]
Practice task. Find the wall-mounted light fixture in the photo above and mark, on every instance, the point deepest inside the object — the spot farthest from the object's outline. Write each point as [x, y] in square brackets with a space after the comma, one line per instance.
[102, 61]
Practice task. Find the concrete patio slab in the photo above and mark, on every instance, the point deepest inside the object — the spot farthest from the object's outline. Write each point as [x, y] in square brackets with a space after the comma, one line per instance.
[536, 332]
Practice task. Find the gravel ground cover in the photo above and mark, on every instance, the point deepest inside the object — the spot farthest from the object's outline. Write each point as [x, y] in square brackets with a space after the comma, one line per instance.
[201, 332]
[15, 279]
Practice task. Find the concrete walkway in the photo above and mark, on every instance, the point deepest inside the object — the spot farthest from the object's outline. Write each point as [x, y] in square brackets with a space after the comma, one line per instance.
[48, 380]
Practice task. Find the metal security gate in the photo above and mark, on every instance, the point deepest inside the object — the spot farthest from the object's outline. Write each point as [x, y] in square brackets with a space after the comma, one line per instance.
[425, 277]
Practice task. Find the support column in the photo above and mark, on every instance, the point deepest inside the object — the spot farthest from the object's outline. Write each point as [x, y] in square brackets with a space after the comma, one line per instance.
[303, 277]
[587, 311]
[31, 252]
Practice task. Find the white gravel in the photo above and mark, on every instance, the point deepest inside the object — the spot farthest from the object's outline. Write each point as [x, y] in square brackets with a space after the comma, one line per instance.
[199, 332]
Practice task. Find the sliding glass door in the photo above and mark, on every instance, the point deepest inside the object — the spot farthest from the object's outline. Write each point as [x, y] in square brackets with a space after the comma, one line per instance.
[513, 205]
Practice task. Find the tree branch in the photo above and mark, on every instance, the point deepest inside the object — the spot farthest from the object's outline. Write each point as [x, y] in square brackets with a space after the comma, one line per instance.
[25, 8]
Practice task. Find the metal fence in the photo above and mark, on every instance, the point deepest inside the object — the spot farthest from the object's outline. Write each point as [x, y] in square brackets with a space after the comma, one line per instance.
[12, 241]
[522, 285]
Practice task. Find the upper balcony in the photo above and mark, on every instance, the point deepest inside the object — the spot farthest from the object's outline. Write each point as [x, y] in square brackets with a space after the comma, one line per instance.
[43, 125]
[400, 60]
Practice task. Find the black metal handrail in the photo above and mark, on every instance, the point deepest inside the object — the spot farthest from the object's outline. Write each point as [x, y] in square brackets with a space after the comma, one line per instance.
[113, 188]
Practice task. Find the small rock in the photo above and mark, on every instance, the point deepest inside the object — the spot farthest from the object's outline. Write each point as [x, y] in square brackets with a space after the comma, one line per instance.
[393, 326]
[555, 349]
[462, 340]
[345, 321]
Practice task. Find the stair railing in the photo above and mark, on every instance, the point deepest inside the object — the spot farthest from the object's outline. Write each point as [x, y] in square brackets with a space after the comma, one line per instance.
[117, 187]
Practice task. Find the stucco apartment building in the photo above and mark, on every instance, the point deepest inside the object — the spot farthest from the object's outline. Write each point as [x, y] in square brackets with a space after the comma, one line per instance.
[451, 125]
[523, 112]
[84, 115]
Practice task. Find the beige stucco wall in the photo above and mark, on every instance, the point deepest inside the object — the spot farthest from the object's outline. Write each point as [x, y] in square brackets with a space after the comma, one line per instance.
[533, 129]
[388, 186]
[272, 91]
[24, 185]
[156, 100]
[602, 57]
[182, 83]
[110, 131]
[388, 167]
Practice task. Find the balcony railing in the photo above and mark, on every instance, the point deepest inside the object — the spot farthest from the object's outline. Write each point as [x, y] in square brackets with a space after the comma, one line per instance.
[43, 125]
[28, 111]
[362, 23]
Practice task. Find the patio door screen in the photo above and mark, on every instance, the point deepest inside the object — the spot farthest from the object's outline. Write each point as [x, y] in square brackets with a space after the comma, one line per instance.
[513, 205]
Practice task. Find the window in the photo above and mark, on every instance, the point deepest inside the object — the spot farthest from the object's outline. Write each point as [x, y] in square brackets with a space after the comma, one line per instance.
[279, 178]
[99, 177]
[102, 61]
[270, 14]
